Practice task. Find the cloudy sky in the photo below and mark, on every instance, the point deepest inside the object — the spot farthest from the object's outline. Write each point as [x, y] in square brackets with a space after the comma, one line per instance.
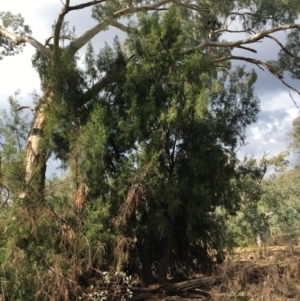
[277, 108]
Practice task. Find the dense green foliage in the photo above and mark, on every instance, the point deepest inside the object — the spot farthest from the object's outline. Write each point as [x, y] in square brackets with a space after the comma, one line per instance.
[166, 148]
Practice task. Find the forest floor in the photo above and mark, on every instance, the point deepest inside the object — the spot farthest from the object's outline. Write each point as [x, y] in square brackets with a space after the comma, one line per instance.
[271, 274]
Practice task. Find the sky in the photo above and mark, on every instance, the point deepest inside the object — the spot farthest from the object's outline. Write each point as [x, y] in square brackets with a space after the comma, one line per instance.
[267, 135]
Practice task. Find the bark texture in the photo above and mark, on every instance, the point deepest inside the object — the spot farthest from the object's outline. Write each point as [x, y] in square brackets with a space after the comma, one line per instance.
[35, 153]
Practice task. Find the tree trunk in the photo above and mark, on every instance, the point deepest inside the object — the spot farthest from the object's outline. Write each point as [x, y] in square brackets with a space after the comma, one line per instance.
[35, 151]
[146, 265]
[140, 273]
[165, 258]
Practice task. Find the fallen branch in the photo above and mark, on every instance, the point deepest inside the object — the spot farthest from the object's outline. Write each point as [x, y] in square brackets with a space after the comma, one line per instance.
[189, 285]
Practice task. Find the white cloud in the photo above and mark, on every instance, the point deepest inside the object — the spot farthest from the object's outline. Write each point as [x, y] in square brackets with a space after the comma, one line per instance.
[269, 134]
[293, 113]
[257, 135]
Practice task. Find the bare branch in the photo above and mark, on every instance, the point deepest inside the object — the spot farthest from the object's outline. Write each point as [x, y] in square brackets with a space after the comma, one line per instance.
[256, 37]
[191, 6]
[283, 47]
[20, 39]
[259, 64]
[241, 14]
[80, 41]
[293, 99]
[119, 26]
[229, 30]
[247, 48]
[84, 5]
[131, 9]
[67, 8]
[58, 27]
[26, 107]
[62, 37]
[96, 89]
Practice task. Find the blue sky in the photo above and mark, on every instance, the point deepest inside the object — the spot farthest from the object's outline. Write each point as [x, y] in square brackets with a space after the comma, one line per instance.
[277, 108]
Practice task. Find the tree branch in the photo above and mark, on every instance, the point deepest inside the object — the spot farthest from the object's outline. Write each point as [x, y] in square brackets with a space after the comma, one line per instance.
[20, 39]
[58, 27]
[259, 64]
[247, 48]
[242, 14]
[25, 107]
[80, 41]
[191, 6]
[119, 26]
[256, 37]
[293, 99]
[62, 37]
[283, 47]
[96, 89]
[229, 30]
[84, 5]
[67, 8]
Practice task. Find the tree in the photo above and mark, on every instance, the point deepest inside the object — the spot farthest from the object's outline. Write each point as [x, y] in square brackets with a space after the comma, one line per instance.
[13, 130]
[270, 206]
[294, 135]
[149, 131]
[165, 148]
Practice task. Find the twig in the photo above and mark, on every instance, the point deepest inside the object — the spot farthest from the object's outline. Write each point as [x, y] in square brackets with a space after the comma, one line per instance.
[283, 47]
[257, 63]
[293, 99]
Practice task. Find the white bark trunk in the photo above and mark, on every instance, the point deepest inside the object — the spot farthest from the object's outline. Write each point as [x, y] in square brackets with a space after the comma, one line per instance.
[32, 151]
[35, 155]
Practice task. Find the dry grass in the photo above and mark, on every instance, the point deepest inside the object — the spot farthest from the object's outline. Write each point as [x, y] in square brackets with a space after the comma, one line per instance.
[268, 275]
[272, 274]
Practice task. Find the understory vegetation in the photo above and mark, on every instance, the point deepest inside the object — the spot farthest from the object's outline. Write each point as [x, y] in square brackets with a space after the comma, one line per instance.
[150, 192]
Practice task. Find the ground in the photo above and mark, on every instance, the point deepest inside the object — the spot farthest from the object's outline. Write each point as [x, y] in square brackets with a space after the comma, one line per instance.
[269, 274]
